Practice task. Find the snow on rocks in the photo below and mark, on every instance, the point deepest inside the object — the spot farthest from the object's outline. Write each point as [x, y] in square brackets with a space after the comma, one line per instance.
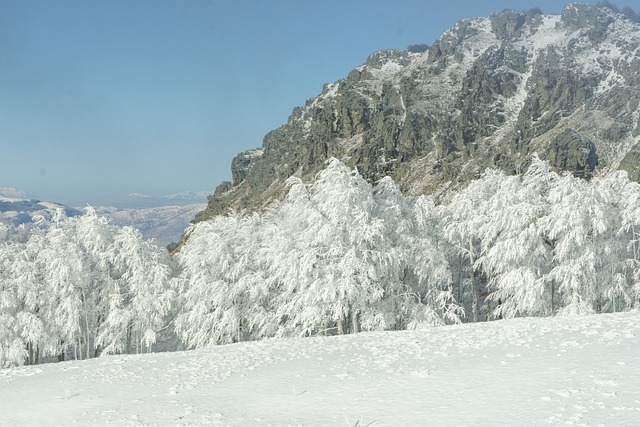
[531, 371]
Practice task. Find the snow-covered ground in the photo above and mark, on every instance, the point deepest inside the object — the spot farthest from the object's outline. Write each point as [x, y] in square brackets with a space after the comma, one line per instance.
[523, 372]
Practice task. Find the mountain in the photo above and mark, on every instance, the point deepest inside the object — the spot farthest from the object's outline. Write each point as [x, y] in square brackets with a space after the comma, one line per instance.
[489, 93]
[139, 200]
[165, 224]
[17, 211]
[524, 372]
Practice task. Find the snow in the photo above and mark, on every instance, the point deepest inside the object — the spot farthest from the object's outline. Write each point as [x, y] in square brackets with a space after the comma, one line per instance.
[613, 78]
[621, 45]
[474, 46]
[138, 195]
[548, 33]
[252, 154]
[198, 196]
[7, 199]
[332, 91]
[10, 192]
[50, 206]
[527, 372]
[387, 71]
[513, 105]
[471, 48]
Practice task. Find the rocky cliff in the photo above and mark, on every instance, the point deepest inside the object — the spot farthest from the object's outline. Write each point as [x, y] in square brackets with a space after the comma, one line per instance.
[488, 93]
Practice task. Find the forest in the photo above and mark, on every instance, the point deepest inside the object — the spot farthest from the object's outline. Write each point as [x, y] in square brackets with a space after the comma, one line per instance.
[337, 256]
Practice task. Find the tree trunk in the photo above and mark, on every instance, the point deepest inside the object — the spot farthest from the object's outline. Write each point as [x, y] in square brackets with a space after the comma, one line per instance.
[87, 332]
[355, 322]
[474, 298]
[474, 291]
[341, 326]
[29, 354]
[97, 350]
[128, 348]
[61, 356]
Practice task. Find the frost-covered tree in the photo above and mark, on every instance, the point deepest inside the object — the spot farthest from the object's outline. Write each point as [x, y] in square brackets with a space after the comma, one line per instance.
[414, 269]
[217, 265]
[630, 227]
[139, 294]
[516, 257]
[292, 264]
[12, 347]
[543, 244]
[569, 225]
[58, 282]
[25, 334]
[614, 258]
[345, 244]
[336, 256]
[468, 228]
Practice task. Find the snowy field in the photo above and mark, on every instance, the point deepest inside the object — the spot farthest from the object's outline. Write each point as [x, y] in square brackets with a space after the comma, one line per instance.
[523, 372]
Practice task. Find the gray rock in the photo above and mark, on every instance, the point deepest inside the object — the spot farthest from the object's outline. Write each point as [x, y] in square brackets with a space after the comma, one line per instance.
[631, 163]
[571, 151]
[508, 24]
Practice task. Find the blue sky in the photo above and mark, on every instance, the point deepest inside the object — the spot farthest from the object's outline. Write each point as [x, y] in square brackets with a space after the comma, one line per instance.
[99, 99]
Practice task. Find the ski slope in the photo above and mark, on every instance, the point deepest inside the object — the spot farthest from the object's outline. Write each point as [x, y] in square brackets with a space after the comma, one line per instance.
[523, 372]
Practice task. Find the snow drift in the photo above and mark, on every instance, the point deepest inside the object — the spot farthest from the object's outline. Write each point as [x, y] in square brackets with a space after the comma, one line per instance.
[526, 372]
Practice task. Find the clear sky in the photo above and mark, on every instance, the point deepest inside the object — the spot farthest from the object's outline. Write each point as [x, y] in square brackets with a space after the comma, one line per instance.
[101, 98]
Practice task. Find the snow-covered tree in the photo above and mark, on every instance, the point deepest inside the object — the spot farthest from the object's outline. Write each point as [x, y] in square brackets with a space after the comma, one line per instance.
[344, 242]
[516, 257]
[630, 227]
[614, 258]
[414, 269]
[12, 347]
[58, 282]
[336, 256]
[468, 228]
[140, 295]
[217, 266]
[574, 233]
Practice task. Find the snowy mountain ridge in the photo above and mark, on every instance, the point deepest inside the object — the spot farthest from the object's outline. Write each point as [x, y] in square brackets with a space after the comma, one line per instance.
[164, 224]
[489, 93]
[17, 211]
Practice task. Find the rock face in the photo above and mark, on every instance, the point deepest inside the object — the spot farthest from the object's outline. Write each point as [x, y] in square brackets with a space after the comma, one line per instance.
[489, 93]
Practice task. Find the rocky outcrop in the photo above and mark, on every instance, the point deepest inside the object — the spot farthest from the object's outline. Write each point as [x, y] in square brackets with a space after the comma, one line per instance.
[489, 93]
[571, 151]
[631, 163]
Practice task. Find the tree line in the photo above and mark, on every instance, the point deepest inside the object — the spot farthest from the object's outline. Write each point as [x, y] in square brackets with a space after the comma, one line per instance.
[337, 256]
[341, 256]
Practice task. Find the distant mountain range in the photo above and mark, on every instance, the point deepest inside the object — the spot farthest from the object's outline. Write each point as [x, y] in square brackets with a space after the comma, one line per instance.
[16, 211]
[164, 223]
[139, 200]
